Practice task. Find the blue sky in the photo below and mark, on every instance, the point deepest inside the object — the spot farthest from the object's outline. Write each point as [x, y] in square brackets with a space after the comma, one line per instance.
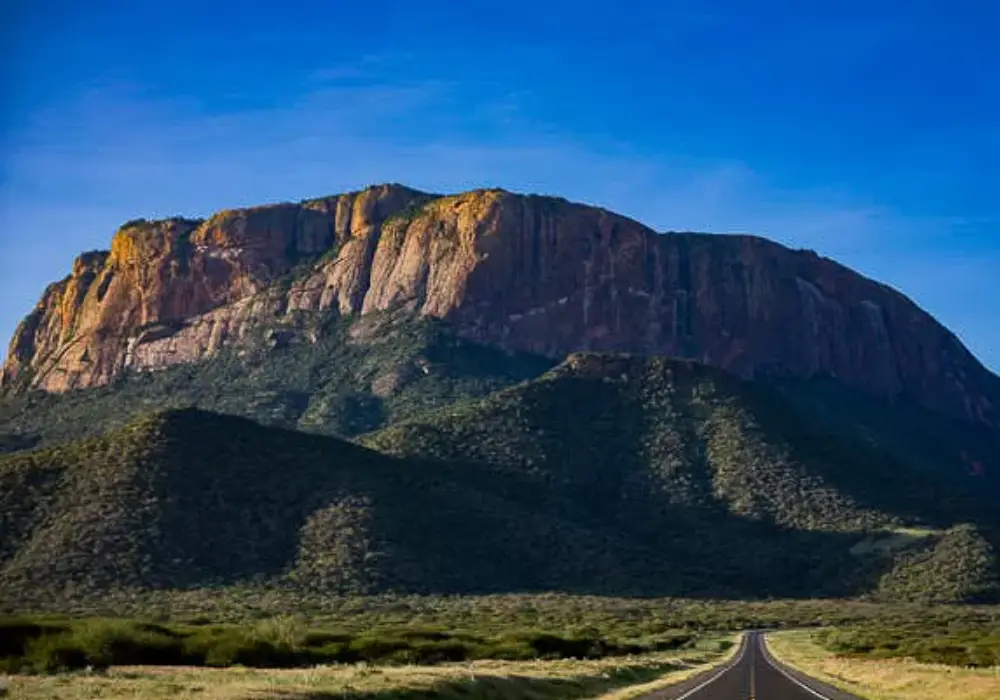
[868, 131]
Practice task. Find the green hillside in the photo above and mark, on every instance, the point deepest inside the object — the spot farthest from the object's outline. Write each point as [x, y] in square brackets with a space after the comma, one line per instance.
[608, 475]
[692, 459]
[645, 430]
[326, 375]
[184, 499]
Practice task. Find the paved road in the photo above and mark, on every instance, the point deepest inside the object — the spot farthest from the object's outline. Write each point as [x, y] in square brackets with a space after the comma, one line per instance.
[752, 675]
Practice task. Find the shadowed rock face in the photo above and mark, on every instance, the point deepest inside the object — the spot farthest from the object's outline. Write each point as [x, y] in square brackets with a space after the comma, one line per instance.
[522, 272]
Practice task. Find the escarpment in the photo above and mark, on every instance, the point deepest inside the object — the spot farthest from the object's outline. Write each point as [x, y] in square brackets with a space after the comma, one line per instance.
[520, 272]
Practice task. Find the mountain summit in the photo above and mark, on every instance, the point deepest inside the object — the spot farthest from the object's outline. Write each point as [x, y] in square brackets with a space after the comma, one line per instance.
[525, 273]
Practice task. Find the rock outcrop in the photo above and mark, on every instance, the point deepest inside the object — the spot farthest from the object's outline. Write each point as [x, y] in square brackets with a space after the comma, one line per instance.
[176, 290]
[521, 272]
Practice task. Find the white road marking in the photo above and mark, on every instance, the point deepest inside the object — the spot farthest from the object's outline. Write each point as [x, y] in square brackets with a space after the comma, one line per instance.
[767, 658]
[733, 664]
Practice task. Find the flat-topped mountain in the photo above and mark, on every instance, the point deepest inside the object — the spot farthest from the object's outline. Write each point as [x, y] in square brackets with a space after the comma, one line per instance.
[525, 273]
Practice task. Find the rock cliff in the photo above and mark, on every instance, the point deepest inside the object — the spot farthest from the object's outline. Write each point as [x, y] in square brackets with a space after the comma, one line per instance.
[521, 272]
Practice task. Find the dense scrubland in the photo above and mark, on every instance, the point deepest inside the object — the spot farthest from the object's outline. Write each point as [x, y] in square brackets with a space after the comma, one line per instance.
[609, 475]
[193, 630]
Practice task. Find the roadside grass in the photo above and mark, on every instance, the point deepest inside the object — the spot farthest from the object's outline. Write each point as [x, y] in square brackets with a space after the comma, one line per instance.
[883, 678]
[48, 645]
[641, 689]
[562, 679]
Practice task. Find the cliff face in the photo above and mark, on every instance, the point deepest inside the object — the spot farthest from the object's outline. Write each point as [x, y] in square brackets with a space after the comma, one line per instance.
[527, 273]
[160, 278]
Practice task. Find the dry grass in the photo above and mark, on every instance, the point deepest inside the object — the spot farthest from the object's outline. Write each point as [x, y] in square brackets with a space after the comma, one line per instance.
[884, 679]
[639, 689]
[537, 680]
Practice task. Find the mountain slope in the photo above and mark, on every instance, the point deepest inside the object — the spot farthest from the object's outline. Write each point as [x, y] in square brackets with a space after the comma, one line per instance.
[528, 273]
[350, 376]
[693, 432]
[609, 474]
[663, 448]
[132, 510]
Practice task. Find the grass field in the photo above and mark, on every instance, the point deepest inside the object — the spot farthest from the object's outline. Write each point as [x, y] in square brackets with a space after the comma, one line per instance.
[539, 680]
[884, 678]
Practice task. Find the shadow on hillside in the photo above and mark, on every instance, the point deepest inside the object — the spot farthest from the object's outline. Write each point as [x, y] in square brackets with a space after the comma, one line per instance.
[500, 544]
[209, 500]
[899, 459]
[586, 521]
[13, 442]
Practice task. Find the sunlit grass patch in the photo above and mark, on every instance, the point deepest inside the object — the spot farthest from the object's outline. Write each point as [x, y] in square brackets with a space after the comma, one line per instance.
[885, 678]
[564, 679]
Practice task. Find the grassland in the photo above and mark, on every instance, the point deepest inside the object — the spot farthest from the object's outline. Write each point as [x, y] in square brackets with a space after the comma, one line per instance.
[541, 680]
[886, 677]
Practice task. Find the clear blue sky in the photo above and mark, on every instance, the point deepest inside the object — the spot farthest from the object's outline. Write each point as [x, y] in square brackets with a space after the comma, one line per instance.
[868, 131]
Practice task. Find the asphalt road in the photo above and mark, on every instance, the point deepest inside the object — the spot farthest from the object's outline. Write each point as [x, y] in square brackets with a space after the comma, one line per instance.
[753, 674]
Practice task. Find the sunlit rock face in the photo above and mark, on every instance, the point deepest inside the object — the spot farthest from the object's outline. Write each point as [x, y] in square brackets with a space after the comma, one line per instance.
[521, 272]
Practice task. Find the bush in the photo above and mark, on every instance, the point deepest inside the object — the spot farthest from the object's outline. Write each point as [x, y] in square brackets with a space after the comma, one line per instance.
[954, 645]
[54, 654]
[46, 646]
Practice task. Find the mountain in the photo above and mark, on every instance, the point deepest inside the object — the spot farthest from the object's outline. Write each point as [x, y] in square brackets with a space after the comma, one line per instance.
[522, 273]
[608, 474]
[541, 395]
[352, 376]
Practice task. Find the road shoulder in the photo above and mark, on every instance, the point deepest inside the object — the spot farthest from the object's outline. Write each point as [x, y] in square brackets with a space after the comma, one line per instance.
[819, 688]
[889, 679]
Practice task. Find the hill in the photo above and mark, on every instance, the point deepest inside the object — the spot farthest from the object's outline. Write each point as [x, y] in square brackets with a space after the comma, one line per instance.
[133, 510]
[688, 458]
[704, 434]
[609, 474]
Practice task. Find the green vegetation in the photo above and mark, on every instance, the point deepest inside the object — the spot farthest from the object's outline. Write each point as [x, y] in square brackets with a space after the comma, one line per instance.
[923, 640]
[501, 615]
[608, 475]
[439, 630]
[914, 440]
[335, 377]
[413, 211]
[962, 564]
[46, 645]
[131, 509]
[134, 223]
[686, 459]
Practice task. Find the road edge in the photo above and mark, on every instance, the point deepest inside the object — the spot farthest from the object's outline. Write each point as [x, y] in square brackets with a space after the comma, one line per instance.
[819, 689]
[689, 686]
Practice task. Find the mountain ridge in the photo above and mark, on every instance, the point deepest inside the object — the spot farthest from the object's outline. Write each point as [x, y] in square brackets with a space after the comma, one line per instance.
[517, 272]
[608, 474]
